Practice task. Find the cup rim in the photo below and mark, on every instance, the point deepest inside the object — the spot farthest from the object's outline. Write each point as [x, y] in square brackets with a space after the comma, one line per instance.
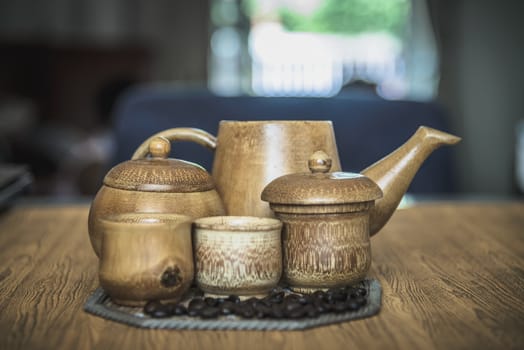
[237, 223]
[144, 219]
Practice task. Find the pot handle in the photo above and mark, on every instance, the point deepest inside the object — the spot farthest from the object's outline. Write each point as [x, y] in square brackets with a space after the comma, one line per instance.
[178, 134]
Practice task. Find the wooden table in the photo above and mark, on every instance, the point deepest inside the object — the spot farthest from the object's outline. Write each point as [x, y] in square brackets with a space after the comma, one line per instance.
[452, 277]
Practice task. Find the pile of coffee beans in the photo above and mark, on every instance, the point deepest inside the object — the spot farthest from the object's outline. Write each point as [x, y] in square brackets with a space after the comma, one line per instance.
[278, 304]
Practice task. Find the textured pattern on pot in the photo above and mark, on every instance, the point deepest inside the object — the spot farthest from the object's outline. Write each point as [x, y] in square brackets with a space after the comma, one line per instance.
[237, 255]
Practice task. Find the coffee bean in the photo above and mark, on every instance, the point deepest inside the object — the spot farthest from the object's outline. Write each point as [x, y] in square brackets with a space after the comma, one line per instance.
[352, 305]
[340, 296]
[291, 305]
[339, 306]
[251, 300]
[179, 310]
[244, 309]
[277, 311]
[272, 300]
[261, 310]
[266, 302]
[304, 300]
[291, 297]
[334, 295]
[310, 310]
[296, 313]
[227, 307]
[210, 301]
[161, 312]
[318, 294]
[152, 306]
[209, 312]
[196, 304]
[257, 303]
[320, 306]
[193, 312]
[170, 307]
[361, 301]
[329, 299]
[276, 298]
[233, 298]
[357, 292]
[247, 312]
[328, 306]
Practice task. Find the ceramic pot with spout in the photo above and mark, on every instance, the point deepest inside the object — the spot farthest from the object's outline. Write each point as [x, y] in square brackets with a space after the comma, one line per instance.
[250, 154]
[156, 184]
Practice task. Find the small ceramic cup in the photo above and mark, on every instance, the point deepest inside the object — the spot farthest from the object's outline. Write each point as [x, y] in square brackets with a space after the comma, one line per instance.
[239, 255]
[146, 257]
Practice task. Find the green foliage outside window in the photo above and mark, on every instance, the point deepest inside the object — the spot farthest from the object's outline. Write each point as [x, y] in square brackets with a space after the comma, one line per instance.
[350, 17]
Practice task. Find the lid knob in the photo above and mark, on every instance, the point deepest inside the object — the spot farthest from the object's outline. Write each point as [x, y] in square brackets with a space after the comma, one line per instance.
[159, 147]
[319, 162]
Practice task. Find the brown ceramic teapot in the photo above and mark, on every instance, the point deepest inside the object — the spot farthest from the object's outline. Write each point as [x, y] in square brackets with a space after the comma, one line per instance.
[250, 154]
[156, 184]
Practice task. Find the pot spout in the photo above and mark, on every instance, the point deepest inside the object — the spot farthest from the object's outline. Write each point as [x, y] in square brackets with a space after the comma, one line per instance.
[395, 172]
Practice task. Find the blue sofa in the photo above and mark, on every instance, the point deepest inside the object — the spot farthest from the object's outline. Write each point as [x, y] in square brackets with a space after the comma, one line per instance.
[366, 127]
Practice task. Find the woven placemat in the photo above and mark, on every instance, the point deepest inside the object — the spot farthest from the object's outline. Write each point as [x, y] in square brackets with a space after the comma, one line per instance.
[100, 304]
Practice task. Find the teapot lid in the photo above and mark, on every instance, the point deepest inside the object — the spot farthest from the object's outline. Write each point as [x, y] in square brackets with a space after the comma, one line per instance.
[319, 186]
[159, 173]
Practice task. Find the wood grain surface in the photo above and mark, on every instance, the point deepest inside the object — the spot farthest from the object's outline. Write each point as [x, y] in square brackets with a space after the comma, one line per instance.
[452, 277]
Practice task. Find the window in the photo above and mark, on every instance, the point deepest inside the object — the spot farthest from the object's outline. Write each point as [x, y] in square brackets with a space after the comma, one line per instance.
[316, 47]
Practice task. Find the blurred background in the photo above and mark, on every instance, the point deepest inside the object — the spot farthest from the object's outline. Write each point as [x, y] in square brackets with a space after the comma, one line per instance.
[66, 64]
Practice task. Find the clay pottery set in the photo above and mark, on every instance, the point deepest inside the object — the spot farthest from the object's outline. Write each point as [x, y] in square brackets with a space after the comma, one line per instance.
[156, 184]
[237, 254]
[264, 169]
[146, 257]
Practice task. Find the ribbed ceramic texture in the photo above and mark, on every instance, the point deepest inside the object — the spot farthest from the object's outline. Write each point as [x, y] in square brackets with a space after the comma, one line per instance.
[325, 253]
[100, 304]
[159, 175]
[321, 188]
[237, 262]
